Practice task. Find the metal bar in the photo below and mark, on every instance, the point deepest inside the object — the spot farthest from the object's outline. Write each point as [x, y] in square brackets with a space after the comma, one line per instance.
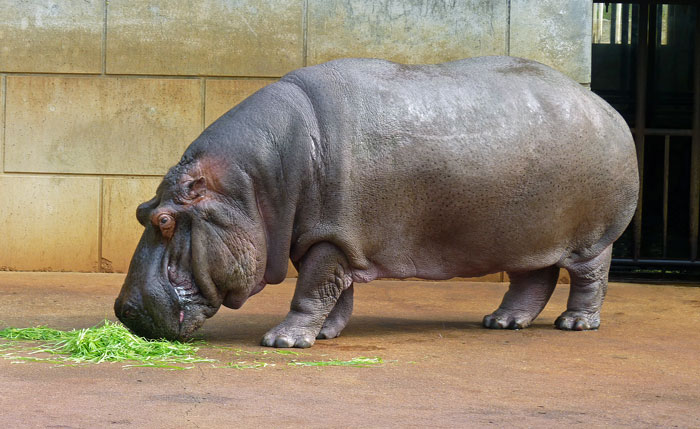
[597, 22]
[652, 92]
[625, 23]
[675, 132]
[618, 23]
[657, 18]
[666, 1]
[695, 149]
[626, 59]
[667, 147]
[640, 119]
[662, 262]
[613, 25]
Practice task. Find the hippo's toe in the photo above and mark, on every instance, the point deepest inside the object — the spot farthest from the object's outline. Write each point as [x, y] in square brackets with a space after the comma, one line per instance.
[577, 321]
[502, 319]
[329, 330]
[292, 338]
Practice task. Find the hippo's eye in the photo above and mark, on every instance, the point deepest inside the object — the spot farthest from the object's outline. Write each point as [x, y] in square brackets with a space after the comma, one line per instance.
[166, 223]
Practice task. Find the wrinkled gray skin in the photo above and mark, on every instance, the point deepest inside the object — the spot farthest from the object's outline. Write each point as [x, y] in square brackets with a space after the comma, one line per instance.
[360, 169]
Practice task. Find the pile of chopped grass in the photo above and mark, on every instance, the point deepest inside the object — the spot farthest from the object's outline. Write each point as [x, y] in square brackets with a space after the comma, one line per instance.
[109, 342]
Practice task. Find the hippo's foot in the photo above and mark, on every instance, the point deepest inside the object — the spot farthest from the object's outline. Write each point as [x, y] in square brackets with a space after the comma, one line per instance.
[338, 317]
[527, 295]
[577, 321]
[290, 333]
[504, 319]
[589, 282]
[320, 296]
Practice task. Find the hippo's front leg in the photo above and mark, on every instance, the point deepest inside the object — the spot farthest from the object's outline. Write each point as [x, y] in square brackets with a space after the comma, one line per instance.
[323, 276]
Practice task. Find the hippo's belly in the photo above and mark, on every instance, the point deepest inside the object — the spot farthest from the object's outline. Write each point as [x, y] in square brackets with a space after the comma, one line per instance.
[490, 200]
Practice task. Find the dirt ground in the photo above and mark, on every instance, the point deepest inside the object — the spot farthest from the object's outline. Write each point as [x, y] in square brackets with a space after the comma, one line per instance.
[441, 369]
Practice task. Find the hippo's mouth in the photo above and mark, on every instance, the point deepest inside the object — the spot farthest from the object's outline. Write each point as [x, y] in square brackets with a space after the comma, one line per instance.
[187, 293]
[184, 286]
[191, 306]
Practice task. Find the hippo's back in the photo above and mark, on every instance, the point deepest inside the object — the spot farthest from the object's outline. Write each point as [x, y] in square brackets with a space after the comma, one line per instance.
[464, 168]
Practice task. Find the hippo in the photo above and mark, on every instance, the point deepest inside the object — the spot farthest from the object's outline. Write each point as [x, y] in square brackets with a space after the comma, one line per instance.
[359, 169]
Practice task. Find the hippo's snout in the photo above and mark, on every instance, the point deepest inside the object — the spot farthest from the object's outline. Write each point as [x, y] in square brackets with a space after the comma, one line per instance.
[121, 310]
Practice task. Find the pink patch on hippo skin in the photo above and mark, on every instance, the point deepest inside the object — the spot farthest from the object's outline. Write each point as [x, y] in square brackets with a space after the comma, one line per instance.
[182, 316]
[212, 169]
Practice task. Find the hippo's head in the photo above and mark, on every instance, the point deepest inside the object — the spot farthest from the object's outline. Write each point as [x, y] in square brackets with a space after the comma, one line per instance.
[201, 248]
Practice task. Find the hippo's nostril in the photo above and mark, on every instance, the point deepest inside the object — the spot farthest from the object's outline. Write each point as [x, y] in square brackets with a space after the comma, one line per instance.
[123, 310]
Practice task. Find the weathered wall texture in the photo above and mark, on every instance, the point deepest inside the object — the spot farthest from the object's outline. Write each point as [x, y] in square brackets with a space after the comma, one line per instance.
[99, 97]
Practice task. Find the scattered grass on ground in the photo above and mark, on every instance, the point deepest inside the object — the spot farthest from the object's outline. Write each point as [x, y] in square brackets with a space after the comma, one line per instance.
[246, 365]
[241, 352]
[112, 342]
[356, 362]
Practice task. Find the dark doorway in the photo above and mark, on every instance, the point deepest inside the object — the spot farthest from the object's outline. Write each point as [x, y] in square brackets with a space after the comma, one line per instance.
[646, 63]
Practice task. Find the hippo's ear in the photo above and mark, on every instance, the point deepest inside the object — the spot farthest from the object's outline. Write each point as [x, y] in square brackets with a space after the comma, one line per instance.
[143, 212]
[196, 188]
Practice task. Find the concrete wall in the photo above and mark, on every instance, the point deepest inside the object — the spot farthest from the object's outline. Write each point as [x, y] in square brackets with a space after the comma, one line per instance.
[99, 97]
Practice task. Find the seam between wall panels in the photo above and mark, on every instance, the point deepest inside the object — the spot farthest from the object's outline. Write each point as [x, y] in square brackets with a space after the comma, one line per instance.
[3, 104]
[304, 31]
[142, 76]
[104, 38]
[203, 94]
[508, 27]
[100, 224]
[96, 175]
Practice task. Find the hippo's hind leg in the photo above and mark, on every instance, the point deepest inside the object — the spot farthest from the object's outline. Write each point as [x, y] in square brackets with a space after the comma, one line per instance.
[589, 282]
[338, 317]
[323, 276]
[527, 295]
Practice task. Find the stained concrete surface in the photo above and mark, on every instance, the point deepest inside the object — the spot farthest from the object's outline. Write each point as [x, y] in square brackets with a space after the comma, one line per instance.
[641, 369]
[40, 213]
[51, 36]
[213, 37]
[431, 31]
[94, 125]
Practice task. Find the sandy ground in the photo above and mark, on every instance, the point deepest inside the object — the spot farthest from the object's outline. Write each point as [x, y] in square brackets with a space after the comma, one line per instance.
[441, 369]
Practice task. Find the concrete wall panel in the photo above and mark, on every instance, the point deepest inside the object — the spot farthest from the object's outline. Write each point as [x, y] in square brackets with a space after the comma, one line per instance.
[222, 95]
[554, 32]
[417, 31]
[215, 37]
[2, 122]
[99, 126]
[120, 229]
[58, 36]
[49, 223]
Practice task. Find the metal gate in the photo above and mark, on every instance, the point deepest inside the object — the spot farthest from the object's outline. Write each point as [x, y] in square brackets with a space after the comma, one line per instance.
[646, 63]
